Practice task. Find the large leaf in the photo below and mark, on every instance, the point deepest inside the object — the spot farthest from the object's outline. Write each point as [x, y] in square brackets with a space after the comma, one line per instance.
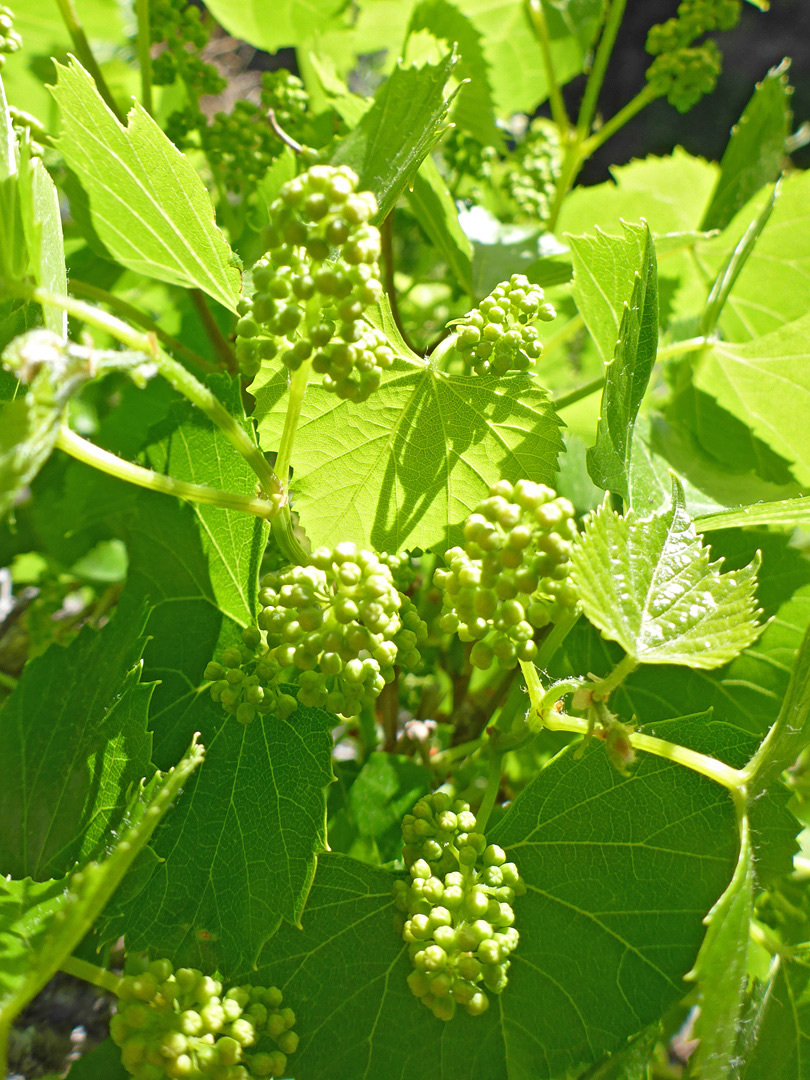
[766, 384]
[404, 469]
[756, 149]
[286, 22]
[41, 923]
[396, 134]
[611, 922]
[633, 355]
[647, 583]
[147, 203]
[74, 737]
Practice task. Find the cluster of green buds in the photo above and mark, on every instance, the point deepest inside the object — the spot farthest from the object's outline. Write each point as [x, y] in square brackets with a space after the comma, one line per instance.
[683, 71]
[455, 913]
[177, 24]
[284, 93]
[496, 336]
[343, 624]
[467, 160]
[245, 680]
[532, 179]
[10, 40]
[179, 1023]
[319, 276]
[511, 578]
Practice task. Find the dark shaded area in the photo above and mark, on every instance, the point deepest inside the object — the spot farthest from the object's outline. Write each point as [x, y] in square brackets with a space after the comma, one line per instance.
[760, 41]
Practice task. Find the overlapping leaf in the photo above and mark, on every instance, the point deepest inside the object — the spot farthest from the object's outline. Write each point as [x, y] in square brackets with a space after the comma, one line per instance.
[288, 22]
[406, 467]
[647, 583]
[147, 202]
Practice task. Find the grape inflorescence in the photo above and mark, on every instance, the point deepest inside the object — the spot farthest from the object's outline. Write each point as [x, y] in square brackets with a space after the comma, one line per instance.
[497, 337]
[510, 579]
[315, 283]
[455, 913]
[683, 71]
[10, 40]
[179, 1024]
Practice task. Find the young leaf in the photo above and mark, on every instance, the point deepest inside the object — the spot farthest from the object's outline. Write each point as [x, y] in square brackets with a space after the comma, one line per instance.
[647, 583]
[766, 384]
[720, 972]
[624, 888]
[42, 226]
[787, 513]
[628, 373]
[28, 432]
[779, 1050]
[147, 203]
[398, 131]
[74, 737]
[13, 255]
[404, 469]
[41, 923]
[755, 152]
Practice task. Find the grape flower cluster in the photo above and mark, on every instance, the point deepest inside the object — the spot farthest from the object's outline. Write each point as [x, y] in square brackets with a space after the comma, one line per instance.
[683, 71]
[319, 276]
[342, 623]
[179, 1023]
[245, 680]
[532, 178]
[456, 912]
[496, 336]
[511, 578]
[10, 40]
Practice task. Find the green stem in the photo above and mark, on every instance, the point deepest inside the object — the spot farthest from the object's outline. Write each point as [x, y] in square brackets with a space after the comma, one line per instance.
[565, 333]
[444, 347]
[140, 318]
[144, 53]
[85, 54]
[552, 642]
[8, 681]
[596, 77]
[678, 347]
[572, 162]
[537, 17]
[635, 105]
[604, 687]
[491, 793]
[215, 335]
[108, 463]
[181, 379]
[453, 753]
[90, 973]
[573, 396]
[298, 387]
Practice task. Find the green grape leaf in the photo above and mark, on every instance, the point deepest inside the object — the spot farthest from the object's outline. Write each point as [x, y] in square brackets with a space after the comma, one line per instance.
[147, 203]
[647, 583]
[785, 512]
[473, 109]
[774, 285]
[605, 270]
[755, 152]
[386, 788]
[28, 434]
[356, 1014]
[287, 22]
[74, 737]
[633, 356]
[720, 972]
[397, 133]
[778, 1049]
[12, 238]
[103, 1062]
[436, 212]
[239, 853]
[404, 469]
[41, 923]
[42, 226]
[765, 383]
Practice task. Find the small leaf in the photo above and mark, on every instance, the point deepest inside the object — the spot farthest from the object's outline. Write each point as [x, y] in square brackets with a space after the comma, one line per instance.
[404, 469]
[42, 225]
[755, 152]
[148, 205]
[648, 584]
[396, 134]
[629, 371]
[28, 433]
[779, 1050]
[720, 972]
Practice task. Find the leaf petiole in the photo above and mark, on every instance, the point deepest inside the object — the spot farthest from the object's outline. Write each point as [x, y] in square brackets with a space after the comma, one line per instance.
[91, 973]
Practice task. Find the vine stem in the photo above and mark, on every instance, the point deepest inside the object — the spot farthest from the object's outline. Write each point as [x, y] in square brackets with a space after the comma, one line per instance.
[493, 786]
[732, 779]
[573, 396]
[91, 973]
[90, 454]
[635, 105]
[679, 347]
[215, 335]
[8, 681]
[82, 46]
[298, 387]
[537, 17]
[596, 77]
[604, 687]
[144, 45]
[175, 374]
